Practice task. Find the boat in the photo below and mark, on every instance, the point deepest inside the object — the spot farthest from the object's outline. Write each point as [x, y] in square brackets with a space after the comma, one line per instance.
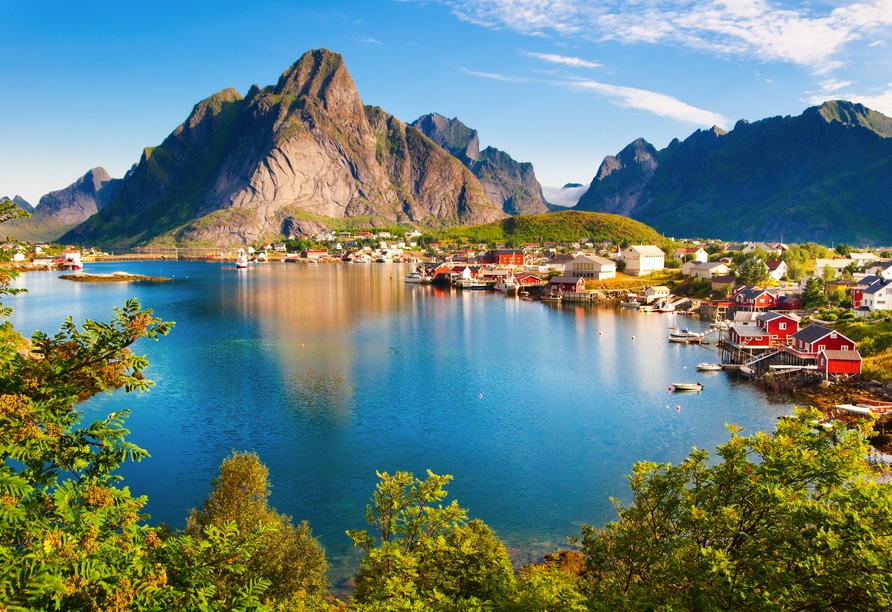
[242, 262]
[418, 278]
[630, 303]
[506, 285]
[552, 298]
[645, 308]
[470, 283]
[709, 367]
[666, 307]
[683, 336]
[687, 387]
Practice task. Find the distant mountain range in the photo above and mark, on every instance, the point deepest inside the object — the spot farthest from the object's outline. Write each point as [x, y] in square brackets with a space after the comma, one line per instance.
[824, 176]
[307, 154]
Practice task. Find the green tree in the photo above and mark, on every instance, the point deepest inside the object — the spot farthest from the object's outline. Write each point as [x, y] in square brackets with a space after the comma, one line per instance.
[813, 293]
[843, 249]
[828, 273]
[753, 271]
[792, 520]
[425, 556]
[288, 557]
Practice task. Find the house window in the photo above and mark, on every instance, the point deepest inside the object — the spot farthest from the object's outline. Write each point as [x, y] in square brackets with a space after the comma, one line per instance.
[844, 347]
[821, 347]
[783, 326]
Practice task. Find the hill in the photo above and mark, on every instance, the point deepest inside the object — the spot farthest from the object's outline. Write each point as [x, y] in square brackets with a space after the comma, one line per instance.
[563, 226]
[824, 176]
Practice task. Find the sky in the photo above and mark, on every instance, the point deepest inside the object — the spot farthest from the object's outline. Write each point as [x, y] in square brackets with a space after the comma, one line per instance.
[559, 83]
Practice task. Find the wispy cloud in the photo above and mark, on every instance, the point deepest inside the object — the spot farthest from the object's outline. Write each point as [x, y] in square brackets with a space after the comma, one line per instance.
[370, 40]
[833, 85]
[750, 28]
[656, 103]
[878, 43]
[496, 77]
[574, 62]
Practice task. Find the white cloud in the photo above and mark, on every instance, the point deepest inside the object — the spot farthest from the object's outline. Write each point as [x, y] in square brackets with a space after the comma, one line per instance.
[656, 103]
[574, 62]
[833, 85]
[878, 43]
[749, 28]
[370, 40]
[563, 196]
[496, 77]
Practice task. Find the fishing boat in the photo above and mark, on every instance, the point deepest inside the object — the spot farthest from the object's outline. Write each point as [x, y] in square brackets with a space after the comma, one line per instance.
[242, 262]
[553, 298]
[470, 283]
[683, 336]
[506, 285]
[687, 387]
[709, 367]
[645, 308]
[666, 307]
[418, 278]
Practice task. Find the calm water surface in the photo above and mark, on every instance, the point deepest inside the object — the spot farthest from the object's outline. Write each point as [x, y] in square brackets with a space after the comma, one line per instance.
[331, 372]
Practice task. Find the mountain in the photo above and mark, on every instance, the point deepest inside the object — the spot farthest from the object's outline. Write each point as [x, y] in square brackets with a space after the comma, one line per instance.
[823, 176]
[510, 185]
[303, 151]
[20, 202]
[61, 210]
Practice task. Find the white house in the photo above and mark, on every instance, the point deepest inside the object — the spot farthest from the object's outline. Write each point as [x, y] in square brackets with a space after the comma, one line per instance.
[838, 266]
[591, 266]
[878, 296]
[709, 270]
[656, 292]
[777, 269]
[695, 253]
[643, 259]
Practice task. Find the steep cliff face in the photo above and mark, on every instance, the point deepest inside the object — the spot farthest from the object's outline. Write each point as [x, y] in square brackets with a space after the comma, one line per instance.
[823, 176]
[510, 185]
[241, 170]
[20, 202]
[83, 198]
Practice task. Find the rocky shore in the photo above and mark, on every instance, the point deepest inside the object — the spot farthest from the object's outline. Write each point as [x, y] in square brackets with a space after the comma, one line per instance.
[113, 277]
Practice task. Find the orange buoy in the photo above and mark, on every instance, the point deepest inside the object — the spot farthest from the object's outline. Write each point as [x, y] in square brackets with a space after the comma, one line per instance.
[481, 395]
[678, 407]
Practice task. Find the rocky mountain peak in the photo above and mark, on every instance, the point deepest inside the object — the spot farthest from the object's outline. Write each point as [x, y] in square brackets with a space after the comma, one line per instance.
[852, 114]
[320, 77]
[452, 135]
[86, 196]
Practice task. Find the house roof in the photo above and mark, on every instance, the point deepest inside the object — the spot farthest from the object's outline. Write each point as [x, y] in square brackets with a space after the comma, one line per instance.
[878, 286]
[774, 264]
[750, 331]
[771, 316]
[566, 280]
[728, 278]
[709, 265]
[647, 249]
[659, 288]
[813, 333]
[560, 258]
[601, 261]
[842, 355]
[751, 293]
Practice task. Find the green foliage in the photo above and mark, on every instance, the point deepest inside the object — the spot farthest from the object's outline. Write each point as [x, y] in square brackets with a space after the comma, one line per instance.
[288, 558]
[828, 273]
[753, 271]
[784, 521]
[813, 294]
[843, 249]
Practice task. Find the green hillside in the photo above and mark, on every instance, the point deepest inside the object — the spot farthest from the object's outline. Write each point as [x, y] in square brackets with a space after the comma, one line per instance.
[564, 226]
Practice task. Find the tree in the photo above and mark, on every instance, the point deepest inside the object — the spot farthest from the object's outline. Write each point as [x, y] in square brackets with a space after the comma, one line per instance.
[753, 271]
[828, 273]
[288, 557]
[813, 294]
[786, 521]
[843, 249]
[426, 557]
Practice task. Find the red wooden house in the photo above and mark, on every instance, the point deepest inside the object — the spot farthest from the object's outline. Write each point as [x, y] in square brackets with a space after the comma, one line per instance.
[501, 257]
[779, 326]
[837, 363]
[754, 298]
[567, 284]
[749, 337]
[811, 340]
[525, 279]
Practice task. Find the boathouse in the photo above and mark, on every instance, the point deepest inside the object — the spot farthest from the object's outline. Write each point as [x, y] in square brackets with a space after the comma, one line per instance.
[839, 364]
[754, 298]
[779, 326]
[811, 340]
[567, 284]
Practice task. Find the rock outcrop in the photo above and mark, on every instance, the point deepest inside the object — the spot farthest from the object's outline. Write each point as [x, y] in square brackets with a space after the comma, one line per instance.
[83, 198]
[824, 176]
[239, 170]
[510, 185]
[20, 202]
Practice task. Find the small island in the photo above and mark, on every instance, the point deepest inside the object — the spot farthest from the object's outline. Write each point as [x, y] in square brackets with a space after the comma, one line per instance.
[111, 277]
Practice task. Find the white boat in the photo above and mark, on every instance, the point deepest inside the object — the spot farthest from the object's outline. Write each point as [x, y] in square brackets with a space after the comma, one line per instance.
[552, 298]
[506, 285]
[630, 303]
[470, 283]
[418, 278]
[666, 307]
[709, 367]
[242, 262]
[687, 387]
[683, 336]
[645, 308]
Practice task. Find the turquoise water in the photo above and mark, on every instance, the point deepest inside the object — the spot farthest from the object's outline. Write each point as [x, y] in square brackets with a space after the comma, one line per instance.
[331, 372]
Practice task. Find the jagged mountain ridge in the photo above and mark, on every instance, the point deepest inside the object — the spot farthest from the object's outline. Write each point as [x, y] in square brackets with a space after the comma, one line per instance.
[823, 176]
[510, 185]
[61, 210]
[20, 202]
[306, 149]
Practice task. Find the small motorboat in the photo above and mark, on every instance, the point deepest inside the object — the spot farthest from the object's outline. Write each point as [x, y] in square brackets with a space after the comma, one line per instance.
[709, 367]
[242, 262]
[687, 387]
[418, 278]
[551, 298]
[683, 335]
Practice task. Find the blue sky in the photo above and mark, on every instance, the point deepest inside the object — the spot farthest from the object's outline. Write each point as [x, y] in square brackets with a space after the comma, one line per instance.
[559, 83]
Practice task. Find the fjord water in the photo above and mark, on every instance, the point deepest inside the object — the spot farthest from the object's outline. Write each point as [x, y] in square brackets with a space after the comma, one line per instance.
[330, 372]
